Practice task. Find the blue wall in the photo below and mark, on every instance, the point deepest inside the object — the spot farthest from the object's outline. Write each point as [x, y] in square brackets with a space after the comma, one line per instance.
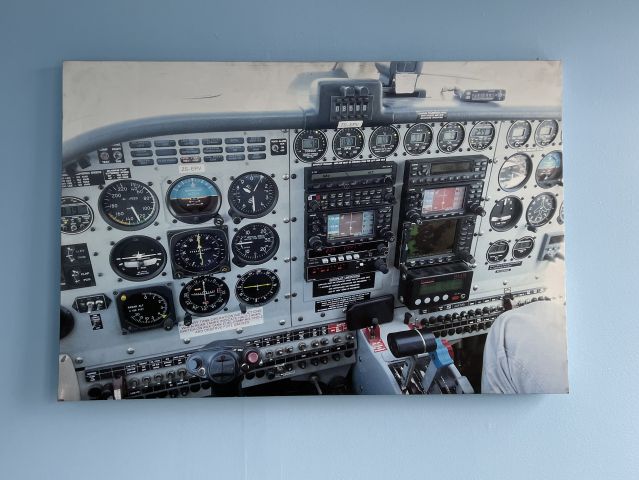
[592, 433]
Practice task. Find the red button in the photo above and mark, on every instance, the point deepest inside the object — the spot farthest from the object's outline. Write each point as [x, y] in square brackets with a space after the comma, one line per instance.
[253, 357]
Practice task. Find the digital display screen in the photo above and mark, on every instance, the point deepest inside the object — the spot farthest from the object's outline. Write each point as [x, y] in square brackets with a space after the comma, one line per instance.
[484, 132]
[383, 140]
[347, 142]
[519, 132]
[310, 143]
[351, 173]
[431, 238]
[441, 200]
[71, 210]
[417, 137]
[546, 131]
[452, 285]
[450, 135]
[350, 225]
[451, 167]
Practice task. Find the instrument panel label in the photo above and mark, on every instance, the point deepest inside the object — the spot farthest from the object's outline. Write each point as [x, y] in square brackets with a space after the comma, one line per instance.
[350, 124]
[94, 177]
[340, 302]
[222, 322]
[347, 283]
[432, 115]
[504, 267]
[189, 168]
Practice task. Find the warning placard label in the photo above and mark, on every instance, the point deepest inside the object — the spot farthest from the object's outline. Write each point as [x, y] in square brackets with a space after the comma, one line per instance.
[222, 322]
[347, 283]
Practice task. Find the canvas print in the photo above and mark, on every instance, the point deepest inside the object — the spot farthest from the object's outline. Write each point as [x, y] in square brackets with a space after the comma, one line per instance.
[265, 229]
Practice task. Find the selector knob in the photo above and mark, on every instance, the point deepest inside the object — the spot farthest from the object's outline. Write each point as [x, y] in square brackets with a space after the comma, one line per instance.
[313, 206]
[389, 198]
[467, 257]
[413, 215]
[301, 347]
[531, 228]
[388, 236]
[478, 210]
[315, 243]
[388, 180]
[382, 249]
[380, 265]
[324, 341]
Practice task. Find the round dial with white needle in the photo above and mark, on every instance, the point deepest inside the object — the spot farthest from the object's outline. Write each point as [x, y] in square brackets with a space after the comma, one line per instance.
[541, 209]
[128, 205]
[257, 287]
[138, 258]
[254, 243]
[204, 295]
[195, 252]
[252, 195]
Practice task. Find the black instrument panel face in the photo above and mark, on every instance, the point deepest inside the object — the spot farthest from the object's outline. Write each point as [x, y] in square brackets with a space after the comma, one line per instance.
[129, 205]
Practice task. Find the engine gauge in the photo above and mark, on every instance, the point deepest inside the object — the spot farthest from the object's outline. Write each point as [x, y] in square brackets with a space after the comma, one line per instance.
[515, 172]
[518, 133]
[549, 171]
[481, 136]
[76, 216]
[506, 213]
[137, 258]
[450, 137]
[560, 215]
[310, 145]
[348, 143]
[146, 308]
[523, 247]
[253, 195]
[497, 251]
[128, 205]
[194, 199]
[204, 295]
[541, 209]
[257, 287]
[383, 141]
[254, 244]
[417, 139]
[195, 252]
[546, 132]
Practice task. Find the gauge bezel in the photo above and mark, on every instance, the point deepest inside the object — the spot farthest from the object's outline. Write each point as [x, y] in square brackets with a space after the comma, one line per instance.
[134, 238]
[519, 256]
[550, 215]
[529, 169]
[358, 134]
[119, 226]
[272, 252]
[560, 214]
[163, 291]
[176, 236]
[545, 184]
[513, 221]
[478, 125]
[543, 122]
[183, 293]
[323, 139]
[424, 147]
[510, 129]
[86, 204]
[242, 214]
[460, 140]
[394, 134]
[242, 280]
[192, 219]
[492, 245]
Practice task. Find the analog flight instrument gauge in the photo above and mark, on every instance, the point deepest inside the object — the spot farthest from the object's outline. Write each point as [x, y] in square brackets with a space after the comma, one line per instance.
[515, 172]
[145, 309]
[481, 136]
[254, 243]
[194, 199]
[518, 133]
[310, 145]
[252, 195]
[497, 251]
[348, 143]
[506, 213]
[450, 137]
[76, 216]
[137, 258]
[257, 287]
[523, 247]
[204, 295]
[546, 132]
[549, 171]
[418, 139]
[383, 141]
[200, 251]
[128, 205]
[541, 209]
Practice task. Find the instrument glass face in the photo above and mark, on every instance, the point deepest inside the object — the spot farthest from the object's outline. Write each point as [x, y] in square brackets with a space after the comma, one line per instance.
[76, 216]
[310, 145]
[546, 132]
[384, 141]
[450, 137]
[348, 143]
[523, 247]
[255, 243]
[541, 209]
[194, 199]
[506, 213]
[138, 258]
[204, 295]
[144, 309]
[497, 251]
[199, 251]
[257, 287]
[253, 194]
[128, 205]
[418, 139]
[549, 171]
[481, 136]
[515, 172]
[518, 133]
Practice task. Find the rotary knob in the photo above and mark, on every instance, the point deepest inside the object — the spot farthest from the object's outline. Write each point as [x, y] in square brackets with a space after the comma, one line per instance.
[413, 216]
[315, 243]
[478, 210]
[380, 265]
[388, 236]
[313, 206]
